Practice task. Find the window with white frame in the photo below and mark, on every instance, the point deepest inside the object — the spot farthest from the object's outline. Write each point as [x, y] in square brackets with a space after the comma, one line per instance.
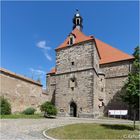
[71, 40]
[78, 21]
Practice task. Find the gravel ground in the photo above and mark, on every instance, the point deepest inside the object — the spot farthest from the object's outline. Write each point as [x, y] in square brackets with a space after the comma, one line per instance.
[31, 129]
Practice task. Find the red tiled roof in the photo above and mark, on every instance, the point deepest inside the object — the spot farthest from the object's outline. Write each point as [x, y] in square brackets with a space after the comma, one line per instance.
[53, 70]
[107, 53]
[80, 37]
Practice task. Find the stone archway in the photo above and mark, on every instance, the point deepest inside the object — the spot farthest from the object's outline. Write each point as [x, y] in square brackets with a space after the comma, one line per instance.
[73, 109]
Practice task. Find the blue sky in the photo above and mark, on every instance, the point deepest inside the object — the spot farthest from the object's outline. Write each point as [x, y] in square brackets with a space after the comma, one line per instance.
[32, 30]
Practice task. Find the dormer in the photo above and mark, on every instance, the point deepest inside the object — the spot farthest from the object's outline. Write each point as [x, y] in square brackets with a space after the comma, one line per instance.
[71, 39]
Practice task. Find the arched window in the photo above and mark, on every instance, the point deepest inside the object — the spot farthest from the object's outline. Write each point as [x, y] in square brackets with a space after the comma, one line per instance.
[71, 39]
[78, 21]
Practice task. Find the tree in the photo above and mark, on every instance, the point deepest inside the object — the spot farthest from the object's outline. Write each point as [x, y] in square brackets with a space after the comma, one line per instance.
[132, 93]
[29, 111]
[48, 108]
[5, 107]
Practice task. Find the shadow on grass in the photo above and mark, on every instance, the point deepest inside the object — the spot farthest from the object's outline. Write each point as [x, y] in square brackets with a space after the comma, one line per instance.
[118, 127]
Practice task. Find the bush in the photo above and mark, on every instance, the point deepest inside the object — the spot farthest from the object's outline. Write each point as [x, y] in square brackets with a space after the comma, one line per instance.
[48, 108]
[29, 111]
[5, 107]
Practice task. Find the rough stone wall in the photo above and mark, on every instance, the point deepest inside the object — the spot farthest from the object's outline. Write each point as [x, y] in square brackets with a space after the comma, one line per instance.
[85, 68]
[96, 88]
[51, 82]
[82, 94]
[99, 94]
[81, 55]
[115, 76]
[116, 69]
[21, 94]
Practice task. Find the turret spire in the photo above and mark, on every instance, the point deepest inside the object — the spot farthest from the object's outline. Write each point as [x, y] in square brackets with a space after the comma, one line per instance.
[77, 20]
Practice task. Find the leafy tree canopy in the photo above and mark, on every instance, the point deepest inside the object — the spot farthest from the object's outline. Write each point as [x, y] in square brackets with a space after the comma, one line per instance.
[5, 107]
[132, 85]
[48, 108]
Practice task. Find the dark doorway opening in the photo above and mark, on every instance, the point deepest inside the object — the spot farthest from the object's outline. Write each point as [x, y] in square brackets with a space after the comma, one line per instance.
[73, 109]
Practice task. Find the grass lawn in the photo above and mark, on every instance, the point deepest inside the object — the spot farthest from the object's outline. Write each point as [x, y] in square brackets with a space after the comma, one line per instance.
[17, 116]
[94, 131]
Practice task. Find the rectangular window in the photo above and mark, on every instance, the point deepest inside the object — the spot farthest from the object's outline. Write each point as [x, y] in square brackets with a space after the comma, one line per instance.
[71, 40]
[72, 63]
[102, 89]
[78, 21]
[72, 88]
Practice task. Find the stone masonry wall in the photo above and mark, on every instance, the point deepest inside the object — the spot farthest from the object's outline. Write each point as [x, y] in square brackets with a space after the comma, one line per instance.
[81, 55]
[20, 93]
[82, 94]
[115, 76]
[51, 82]
[84, 68]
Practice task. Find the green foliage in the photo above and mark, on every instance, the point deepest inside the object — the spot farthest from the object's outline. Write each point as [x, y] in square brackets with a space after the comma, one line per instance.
[29, 111]
[132, 85]
[5, 107]
[48, 108]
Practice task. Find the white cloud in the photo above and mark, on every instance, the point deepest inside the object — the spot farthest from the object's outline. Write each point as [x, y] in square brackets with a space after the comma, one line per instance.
[48, 56]
[45, 48]
[37, 72]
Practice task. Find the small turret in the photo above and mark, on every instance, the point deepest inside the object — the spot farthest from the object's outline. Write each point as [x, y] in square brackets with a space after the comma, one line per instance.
[77, 20]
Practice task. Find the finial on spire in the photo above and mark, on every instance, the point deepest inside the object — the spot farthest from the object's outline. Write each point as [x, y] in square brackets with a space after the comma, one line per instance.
[77, 13]
[77, 20]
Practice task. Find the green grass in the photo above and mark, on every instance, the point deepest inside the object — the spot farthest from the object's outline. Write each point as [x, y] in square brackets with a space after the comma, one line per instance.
[94, 131]
[17, 116]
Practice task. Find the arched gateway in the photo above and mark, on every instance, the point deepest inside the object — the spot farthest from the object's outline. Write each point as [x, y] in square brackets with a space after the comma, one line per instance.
[73, 109]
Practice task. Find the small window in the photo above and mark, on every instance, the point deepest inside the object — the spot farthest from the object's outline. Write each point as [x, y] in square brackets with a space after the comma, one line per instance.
[72, 88]
[73, 80]
[78, 21]
[72, 63]
[71, 41]
[102, 89]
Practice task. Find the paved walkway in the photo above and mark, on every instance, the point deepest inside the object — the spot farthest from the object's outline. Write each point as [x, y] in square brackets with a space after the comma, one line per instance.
[31, 129]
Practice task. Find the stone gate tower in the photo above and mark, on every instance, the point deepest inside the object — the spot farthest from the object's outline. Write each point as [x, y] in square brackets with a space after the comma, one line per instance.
[77, 84]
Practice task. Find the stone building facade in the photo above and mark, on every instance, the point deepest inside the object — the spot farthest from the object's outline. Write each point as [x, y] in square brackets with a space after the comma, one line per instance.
[88, 76]
[20, 91]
